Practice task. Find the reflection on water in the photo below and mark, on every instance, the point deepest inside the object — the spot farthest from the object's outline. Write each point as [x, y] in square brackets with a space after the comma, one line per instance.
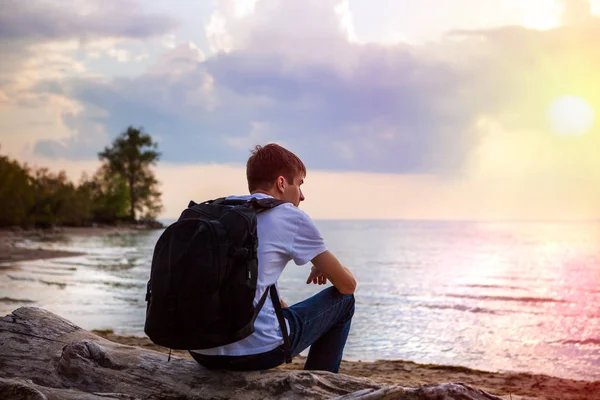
[520, 297]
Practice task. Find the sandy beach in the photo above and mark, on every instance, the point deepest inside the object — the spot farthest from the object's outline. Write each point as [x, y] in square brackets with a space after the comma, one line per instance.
[410, 374]
[396, 372]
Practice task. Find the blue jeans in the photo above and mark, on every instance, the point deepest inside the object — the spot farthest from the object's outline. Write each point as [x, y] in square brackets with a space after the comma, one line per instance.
[321, 322]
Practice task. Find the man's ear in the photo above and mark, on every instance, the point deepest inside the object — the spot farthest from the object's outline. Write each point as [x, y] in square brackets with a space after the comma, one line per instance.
[281, 183]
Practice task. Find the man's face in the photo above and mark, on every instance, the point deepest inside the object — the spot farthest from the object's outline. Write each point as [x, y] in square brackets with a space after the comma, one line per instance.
[291, 190]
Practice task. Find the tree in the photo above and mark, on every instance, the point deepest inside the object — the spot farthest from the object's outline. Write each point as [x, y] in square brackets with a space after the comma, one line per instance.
[57, 201]
[16, 193]
[108, 195]
[38, 197]
[130, 157]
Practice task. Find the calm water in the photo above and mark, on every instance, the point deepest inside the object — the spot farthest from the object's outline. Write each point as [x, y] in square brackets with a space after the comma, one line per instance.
[493, 296]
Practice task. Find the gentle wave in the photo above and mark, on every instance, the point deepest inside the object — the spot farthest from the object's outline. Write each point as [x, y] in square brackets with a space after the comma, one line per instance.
[408, 273]
[490, 286]
[53, 273]
[116, 284]
[523, 278]
[51, 266]
[21, 278]
[594, 341]
[509, 298]
[460, 307]
[11, 300]
[61, 285]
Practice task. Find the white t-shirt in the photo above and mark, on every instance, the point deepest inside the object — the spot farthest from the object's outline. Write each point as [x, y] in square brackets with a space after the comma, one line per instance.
[284, 233]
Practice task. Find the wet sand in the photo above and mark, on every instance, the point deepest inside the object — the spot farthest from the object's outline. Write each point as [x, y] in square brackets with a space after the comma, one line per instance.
[410, 374]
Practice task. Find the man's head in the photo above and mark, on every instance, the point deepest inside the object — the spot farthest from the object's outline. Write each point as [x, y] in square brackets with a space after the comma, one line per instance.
[276, 171]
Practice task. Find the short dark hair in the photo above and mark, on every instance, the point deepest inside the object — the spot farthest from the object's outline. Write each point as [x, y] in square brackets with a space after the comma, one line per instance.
[267, 163]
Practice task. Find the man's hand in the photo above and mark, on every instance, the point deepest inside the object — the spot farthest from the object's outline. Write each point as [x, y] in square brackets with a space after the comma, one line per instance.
[316, 277]
[327, 265]
[283, 303]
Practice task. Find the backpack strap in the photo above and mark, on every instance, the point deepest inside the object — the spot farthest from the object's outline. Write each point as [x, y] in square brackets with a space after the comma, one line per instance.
[280, 318]
[258, 204]
[279, 312]
[220, 200]
[261, 205]
[259, 306]
[257, 309]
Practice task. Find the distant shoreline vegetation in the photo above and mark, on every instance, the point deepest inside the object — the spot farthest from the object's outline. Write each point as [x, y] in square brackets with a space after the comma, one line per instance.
[123, 191]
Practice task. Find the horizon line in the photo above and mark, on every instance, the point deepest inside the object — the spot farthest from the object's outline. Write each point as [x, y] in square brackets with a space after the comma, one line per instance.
[588, 220]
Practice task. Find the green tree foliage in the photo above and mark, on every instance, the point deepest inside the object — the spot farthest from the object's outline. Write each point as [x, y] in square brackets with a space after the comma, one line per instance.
[130, 157]
[16, 193]
[57, 201]
[108, 195]
[39, 197]
[122, 186]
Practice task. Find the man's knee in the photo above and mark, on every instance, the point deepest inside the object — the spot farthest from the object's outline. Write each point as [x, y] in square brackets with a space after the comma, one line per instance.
[348, 301]
[349, 298]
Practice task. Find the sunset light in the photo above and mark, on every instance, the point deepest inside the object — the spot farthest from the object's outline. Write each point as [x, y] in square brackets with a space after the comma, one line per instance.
[570, 116]
[400, 194]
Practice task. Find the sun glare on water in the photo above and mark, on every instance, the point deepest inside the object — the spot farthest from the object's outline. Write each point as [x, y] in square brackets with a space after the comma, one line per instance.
[570, 116]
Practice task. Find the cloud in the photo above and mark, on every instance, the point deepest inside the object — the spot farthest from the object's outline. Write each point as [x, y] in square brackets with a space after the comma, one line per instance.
[178, 59]
[374, 108]
[76, 147]
[286, 27]
[576, 12]
[288, 72]
[390, 110]
[44, 42]
[50, 20]
[35, 34]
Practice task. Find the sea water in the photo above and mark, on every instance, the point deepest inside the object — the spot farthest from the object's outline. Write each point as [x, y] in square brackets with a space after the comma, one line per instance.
[497, 296]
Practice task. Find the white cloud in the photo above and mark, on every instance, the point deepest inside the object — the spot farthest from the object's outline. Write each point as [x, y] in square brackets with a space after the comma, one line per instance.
[179, 59]
[576, 12]
[310, 30]
[120, 55]
[45, 43]
[343, 105]
[299, 73]
[217, 30]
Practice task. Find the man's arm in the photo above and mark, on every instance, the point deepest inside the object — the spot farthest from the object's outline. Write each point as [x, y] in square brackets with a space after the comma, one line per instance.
[328, 265]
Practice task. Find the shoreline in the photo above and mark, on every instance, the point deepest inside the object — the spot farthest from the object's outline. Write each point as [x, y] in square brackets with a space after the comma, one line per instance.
[11, 237]
[411, 374]
[399, 372]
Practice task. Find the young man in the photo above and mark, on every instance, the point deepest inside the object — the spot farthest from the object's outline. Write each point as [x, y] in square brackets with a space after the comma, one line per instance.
[287, 233]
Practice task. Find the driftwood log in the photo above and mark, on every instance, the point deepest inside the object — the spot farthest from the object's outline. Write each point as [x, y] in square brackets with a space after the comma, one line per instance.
[43, 356]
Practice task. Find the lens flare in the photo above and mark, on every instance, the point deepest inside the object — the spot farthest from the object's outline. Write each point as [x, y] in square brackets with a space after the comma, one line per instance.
[570, 116]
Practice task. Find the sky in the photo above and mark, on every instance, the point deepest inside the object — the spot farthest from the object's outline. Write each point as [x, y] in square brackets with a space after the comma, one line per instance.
[455, 110]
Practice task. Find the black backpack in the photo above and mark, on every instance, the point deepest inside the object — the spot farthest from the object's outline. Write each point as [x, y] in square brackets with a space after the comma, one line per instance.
[203, 278]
